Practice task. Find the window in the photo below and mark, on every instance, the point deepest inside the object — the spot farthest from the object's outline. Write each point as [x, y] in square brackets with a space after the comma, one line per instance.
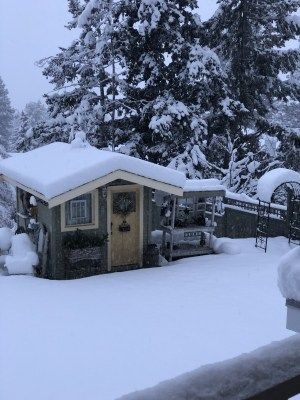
[82, 212]
[79, 211]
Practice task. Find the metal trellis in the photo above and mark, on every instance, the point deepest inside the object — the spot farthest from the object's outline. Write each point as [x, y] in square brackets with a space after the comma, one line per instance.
[294, 231]
[262, 227]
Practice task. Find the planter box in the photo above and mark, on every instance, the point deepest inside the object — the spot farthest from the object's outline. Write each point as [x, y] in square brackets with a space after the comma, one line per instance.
[293, 315]
[87, 253]
[81, 263]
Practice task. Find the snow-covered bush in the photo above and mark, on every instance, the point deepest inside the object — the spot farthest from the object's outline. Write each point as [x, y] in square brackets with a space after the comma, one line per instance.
[5, 238]
[289, 275]
[22, 256]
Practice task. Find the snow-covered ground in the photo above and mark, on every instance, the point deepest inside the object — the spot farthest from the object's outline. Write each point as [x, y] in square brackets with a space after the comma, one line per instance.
[105, 336]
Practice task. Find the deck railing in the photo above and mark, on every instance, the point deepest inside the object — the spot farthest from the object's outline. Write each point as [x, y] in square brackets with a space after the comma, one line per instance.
[276, 211]
[269, 373]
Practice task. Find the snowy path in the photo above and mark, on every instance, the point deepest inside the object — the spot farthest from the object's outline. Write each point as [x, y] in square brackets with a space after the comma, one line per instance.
[101, 337]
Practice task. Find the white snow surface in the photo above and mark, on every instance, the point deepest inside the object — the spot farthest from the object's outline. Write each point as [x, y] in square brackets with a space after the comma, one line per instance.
[271, 180]
[196, 185]
[22, 256]
[225, 245]
[59, 167]
[289, 274]
[5, 238]
[105, 336]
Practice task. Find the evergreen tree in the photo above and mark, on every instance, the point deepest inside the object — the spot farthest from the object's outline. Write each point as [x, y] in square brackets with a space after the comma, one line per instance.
[24, 133]
[86, 81]
[139, 75]
[6, 116]
[250, 37]
[175, 86]
[36, 113]
[32, 127]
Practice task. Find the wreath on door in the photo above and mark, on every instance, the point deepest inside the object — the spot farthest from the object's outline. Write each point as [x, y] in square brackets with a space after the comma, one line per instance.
[124, 203]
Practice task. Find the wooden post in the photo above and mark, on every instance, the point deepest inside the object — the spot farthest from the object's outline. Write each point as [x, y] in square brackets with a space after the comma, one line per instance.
[212, 222]
[172, 226]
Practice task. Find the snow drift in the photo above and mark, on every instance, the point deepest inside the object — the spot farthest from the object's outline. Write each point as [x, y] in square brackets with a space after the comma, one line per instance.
[225, 245]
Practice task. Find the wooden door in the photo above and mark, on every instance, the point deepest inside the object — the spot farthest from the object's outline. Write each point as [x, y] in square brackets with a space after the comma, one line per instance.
[125, 225]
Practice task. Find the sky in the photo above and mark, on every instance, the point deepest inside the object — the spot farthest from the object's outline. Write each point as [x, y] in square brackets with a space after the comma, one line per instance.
[34, 29]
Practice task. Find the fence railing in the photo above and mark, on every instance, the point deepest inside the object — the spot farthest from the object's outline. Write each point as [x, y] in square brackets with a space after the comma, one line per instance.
[279, 212]
[269, 373]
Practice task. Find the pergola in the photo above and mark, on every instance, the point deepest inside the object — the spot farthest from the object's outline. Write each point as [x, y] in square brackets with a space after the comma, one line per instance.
[190, 219]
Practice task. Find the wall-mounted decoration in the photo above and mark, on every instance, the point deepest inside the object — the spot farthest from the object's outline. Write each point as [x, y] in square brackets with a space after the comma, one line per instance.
[124, 227]
[124, 203]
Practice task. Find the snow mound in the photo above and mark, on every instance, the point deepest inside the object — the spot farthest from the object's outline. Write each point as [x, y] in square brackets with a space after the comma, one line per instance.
[79, 141]
[22, 257]
[5, 238]
[271, 180]
[289, 275]
[225, 245]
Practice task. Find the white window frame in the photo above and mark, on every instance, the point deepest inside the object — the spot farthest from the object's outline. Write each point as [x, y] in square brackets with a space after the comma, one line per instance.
[95, 214]
[76, 206]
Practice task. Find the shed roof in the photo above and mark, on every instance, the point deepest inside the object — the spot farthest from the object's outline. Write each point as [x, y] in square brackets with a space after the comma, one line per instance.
[54, 172]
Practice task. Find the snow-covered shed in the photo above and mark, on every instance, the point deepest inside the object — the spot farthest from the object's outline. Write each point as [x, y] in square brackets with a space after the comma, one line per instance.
[89, 210]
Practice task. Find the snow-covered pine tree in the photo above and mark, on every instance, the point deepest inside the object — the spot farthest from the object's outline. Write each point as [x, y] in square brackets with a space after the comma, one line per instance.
[36, 112]
[175, 86]
[286, 116]
[6, 116]
[7, 193]
[23, 133]
[32, 126]
[87, 76]
[250, 37]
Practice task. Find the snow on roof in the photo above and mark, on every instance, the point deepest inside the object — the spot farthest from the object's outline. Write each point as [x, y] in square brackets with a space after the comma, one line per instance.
[201, 185]
[59, 167]
[271, 180]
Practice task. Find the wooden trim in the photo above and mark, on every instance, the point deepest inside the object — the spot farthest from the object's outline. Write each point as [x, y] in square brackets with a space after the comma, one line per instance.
[125, 188]
[141, 249]
[90, 186]
[95, 216]
[205, 193]
[108, 218]
[127, 176]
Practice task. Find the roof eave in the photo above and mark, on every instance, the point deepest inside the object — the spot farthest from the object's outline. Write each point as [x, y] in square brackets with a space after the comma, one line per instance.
[97, 183]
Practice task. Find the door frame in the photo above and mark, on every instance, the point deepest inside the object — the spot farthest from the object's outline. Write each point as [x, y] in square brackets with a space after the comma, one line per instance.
[140, 192]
